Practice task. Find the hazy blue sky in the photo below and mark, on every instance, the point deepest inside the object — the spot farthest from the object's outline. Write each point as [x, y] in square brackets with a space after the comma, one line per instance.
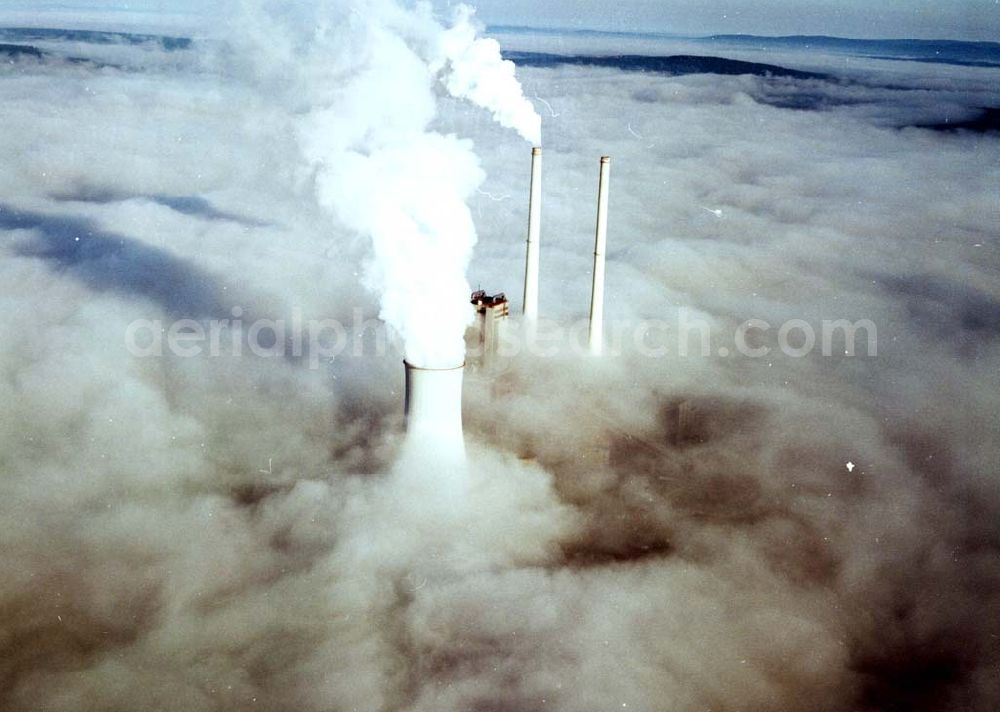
[965, 19]
[978, 19]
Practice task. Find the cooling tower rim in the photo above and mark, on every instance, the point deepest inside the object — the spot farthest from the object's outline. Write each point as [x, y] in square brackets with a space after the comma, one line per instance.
[415, 367]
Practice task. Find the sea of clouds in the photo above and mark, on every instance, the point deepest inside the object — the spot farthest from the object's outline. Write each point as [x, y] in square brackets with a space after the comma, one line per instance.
[639, 532]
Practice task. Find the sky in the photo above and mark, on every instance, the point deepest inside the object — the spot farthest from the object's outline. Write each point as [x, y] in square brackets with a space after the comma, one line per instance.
[941, 19]
[960, 19]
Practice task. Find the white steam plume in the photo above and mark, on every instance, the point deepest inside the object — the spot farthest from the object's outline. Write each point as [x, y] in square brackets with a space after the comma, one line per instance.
[364, 82]
[476, 71]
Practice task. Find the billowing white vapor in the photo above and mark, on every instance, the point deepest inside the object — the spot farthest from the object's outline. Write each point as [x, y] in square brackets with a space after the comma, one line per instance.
[476, 71]
[362, 77]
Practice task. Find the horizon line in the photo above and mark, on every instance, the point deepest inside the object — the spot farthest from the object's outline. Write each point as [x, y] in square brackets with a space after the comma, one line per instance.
[718, 35]
[119, 29]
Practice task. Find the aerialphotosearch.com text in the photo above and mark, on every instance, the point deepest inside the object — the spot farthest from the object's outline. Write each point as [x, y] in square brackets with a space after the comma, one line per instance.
[318, 341]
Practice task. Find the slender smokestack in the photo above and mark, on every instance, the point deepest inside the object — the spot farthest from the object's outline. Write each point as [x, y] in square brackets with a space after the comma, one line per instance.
[534, 225]
[434, 412]
[600, 243]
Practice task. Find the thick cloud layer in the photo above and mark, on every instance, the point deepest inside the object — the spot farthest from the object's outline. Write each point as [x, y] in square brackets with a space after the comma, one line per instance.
[641, 532]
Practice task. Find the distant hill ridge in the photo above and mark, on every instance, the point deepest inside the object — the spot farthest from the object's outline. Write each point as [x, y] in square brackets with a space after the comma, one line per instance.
[33, 34]
[674, 65]
[941, 51]
[848, 41]
[961, 52]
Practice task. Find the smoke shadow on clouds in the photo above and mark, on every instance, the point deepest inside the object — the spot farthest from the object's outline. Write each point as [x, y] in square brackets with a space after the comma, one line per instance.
[959, 313]
[109, 261]
[192, 205]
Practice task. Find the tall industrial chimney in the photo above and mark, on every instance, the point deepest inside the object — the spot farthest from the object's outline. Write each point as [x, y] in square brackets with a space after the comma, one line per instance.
[600, 243]
[434, 412]
[534, 226]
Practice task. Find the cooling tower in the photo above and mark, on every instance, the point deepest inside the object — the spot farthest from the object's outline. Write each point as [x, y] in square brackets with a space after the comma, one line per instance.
[434, 412]
[534, 228]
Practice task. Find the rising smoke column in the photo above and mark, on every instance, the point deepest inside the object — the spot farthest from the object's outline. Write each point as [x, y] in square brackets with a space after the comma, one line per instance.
[475, 70]
[365, 78]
